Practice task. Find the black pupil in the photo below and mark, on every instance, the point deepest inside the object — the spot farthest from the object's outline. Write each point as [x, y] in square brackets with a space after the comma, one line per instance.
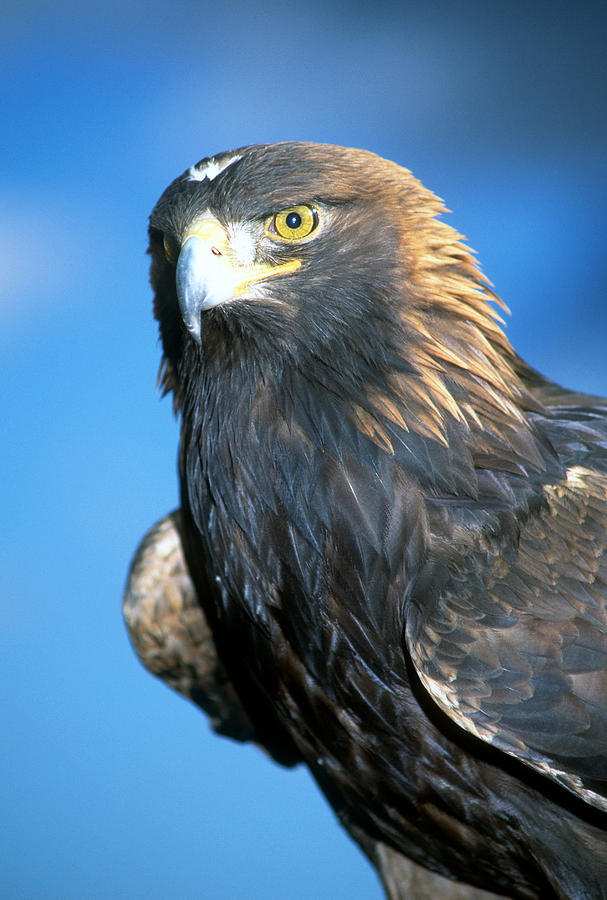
[293, 220]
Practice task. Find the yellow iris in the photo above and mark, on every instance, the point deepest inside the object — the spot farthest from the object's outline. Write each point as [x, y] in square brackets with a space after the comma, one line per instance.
[171, 247]
[293, 224]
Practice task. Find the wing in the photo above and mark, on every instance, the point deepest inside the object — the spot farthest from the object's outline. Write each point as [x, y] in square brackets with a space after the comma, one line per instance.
[403, 879]
[513, 643]
[170, 633]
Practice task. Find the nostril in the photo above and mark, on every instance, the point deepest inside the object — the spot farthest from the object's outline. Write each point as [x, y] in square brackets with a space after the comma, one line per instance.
[215, 251]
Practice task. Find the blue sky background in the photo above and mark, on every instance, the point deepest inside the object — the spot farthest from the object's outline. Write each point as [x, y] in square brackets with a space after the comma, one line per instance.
[111, 786]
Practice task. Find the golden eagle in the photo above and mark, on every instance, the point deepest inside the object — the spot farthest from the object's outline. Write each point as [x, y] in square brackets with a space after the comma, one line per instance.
[390, 558]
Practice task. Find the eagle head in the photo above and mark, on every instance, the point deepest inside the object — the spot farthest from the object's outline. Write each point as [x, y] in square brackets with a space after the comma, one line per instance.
[332, 263]
[303, 239]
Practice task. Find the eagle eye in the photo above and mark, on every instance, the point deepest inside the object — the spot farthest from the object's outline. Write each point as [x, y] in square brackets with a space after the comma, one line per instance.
[171, 247]
[293, 224]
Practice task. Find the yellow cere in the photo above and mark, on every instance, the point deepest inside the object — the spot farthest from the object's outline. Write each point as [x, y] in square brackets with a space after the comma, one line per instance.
[209, 230]
[293, 224]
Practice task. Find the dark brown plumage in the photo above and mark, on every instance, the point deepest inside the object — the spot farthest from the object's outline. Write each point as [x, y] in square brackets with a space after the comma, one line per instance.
[394, 532]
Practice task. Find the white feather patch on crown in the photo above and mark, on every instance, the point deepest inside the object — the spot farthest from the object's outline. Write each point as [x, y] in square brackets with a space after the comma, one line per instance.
[211, 169]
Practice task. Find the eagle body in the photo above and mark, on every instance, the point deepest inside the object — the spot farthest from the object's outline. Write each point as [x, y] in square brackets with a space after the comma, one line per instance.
[393, 531]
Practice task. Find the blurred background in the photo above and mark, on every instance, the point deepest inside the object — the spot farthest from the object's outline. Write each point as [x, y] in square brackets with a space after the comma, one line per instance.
[111, 786]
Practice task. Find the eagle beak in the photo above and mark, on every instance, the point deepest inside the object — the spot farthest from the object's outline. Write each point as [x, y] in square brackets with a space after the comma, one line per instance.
[207, 275]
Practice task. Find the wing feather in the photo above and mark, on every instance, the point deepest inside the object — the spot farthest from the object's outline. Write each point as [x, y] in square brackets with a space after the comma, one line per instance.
[170, 633]
[518, 657]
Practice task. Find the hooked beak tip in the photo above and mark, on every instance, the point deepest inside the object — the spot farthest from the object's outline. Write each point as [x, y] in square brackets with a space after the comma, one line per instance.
[193, 325]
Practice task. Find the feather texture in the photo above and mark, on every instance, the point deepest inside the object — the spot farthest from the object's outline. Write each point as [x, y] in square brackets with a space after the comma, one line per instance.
[395, 529]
